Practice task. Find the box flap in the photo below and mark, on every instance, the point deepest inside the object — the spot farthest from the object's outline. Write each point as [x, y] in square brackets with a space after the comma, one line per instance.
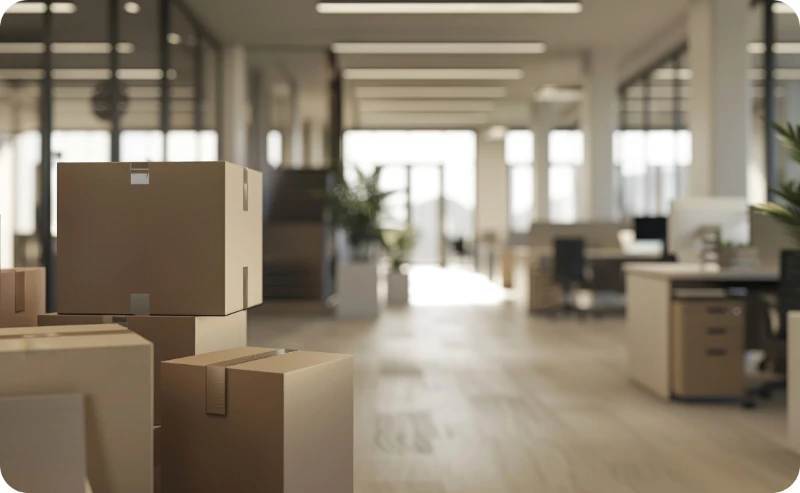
[296, 361]
[68, 337]
[216, 378]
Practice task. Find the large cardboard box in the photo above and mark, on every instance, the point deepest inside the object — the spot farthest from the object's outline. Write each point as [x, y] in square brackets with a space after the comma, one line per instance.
[172, 337]
[159, 238]
[113, 369]
[22, 296]
[156, 459]
[252, 419]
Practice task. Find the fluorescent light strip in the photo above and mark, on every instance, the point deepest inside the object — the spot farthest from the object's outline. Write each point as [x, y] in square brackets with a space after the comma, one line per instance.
[80, 73]
[439, 48]
[672, 74]
[41, 8]
[22, 48]
[450, 8]
[140, 74]
[376, 106]
[21, 73]
[433, 92]
[433, 74]
[758, 48]
[436, 119]
[781, 8]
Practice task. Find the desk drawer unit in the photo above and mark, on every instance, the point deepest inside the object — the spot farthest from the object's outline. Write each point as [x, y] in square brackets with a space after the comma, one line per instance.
[708, 348]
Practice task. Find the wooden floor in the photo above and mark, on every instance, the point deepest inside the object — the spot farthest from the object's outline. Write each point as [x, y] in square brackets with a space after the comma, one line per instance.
[480, 399]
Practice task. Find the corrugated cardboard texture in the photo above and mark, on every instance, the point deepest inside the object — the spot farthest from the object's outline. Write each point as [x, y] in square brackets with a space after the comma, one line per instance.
[181, 241]
[22, 296]
[288, 428]
[42, 443]
[114, 373]
[172, 337]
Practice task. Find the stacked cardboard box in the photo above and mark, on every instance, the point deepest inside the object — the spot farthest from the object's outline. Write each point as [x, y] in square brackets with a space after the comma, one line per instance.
[22, 296]
[171, 250]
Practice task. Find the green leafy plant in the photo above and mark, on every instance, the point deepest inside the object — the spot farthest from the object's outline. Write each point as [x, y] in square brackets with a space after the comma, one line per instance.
[399, 244]
[356, 208]
[788, 212]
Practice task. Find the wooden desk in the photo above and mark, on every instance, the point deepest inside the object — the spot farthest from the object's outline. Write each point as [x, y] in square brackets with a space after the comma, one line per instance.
[649, 297]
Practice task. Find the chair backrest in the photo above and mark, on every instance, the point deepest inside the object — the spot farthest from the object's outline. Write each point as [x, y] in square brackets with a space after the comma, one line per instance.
[569, 259]
[789, 288]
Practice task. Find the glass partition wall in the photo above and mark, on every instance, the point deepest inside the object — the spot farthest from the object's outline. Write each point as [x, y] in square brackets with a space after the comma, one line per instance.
[95, 80]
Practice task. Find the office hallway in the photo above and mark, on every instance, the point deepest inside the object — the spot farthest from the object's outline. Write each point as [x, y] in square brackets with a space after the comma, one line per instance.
[483, 398]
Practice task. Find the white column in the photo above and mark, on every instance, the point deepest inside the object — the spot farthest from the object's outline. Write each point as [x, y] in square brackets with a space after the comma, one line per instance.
[543, 121]
[235, 106]
[492, 201]
[790, 169]
[599, 117]
[720, 118]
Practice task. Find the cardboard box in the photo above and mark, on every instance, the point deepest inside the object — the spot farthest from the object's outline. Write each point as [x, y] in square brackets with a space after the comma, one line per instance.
[252, 419]
[172, 337]
[43, 443]
[22, 296]
[113, 369]
[708, 343]
[159, 238]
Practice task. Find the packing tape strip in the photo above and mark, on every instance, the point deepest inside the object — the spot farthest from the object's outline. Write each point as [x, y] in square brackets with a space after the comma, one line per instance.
[217, 379]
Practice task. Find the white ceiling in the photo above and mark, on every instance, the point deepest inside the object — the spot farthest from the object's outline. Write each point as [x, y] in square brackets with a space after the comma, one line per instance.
[289, 36]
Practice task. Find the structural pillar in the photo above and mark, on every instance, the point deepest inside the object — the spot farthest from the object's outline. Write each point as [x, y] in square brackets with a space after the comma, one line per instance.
[599, 118]
[235, 113]
[543, 116]
[492, 178]
[296, 158]
[720, 118]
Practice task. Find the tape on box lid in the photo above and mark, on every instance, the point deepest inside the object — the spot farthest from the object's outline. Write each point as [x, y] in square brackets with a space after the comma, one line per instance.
[217, 379]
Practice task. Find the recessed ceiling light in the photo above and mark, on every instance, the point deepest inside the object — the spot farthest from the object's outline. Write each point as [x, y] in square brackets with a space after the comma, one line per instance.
[439, 48]
[433, 74]
[378, 106]
[140, 74]
[672, 74]
[132, 7]
[784, 48]
[433, 92]
[21, 48]
[63, 8]
[80, 48]
[449, 7]
[555, 94]
[174, 38]
[126, 48]
[41, 8]
[80, 73]
[436, 119]
[21, 73]
[781, 8]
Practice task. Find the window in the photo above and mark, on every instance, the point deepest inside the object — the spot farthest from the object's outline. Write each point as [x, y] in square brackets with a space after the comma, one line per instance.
[275, 148]
[519, 152]
[566, 155]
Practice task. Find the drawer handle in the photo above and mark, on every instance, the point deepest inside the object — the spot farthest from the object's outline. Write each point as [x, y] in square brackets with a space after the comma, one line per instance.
[716, 352]
[717, 331]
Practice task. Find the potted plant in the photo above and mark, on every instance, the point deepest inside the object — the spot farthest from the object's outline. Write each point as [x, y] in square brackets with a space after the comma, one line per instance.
[788, 211]
[356, 209]
[733, 255]
[399, 244]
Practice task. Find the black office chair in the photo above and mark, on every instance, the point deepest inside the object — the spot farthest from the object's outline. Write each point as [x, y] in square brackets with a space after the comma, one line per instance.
[569, 269]
[772, 314]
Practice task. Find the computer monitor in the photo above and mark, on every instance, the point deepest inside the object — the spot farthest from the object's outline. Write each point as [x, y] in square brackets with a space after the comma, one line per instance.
[651, 228]
[690, 215]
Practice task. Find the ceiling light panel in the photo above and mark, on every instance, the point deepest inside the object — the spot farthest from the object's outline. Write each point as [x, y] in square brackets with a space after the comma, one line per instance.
[370, 106]
[519, 7]
[439, 48]
[758, 48]
[432, 92]
[21, 73]
[132, 7]
[433, 74]
[22, 48]
[434, 119]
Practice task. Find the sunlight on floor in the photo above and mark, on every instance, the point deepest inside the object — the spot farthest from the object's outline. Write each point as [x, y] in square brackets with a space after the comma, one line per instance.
[452, 286]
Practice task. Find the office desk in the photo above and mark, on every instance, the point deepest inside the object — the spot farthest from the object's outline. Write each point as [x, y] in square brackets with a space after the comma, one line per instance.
[649, 299]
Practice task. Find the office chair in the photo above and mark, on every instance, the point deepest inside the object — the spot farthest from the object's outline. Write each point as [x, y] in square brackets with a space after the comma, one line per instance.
[772, 312]
[569, 269]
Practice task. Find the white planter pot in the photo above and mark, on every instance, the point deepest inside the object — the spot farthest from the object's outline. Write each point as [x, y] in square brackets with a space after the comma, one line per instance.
[357, 289]
[397, 288]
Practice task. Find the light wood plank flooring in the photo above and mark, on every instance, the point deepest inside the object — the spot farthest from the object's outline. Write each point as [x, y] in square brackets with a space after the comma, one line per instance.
[478, 399]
